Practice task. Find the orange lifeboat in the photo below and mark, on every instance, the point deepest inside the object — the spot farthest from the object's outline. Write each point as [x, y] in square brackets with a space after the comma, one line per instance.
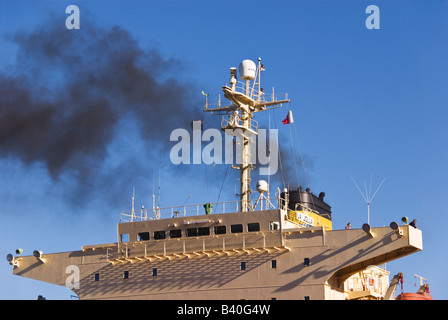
[421, 294]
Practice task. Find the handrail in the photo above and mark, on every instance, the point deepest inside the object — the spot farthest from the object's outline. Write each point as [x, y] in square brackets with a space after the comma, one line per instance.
[192, 209]
[253, 94]
[270, 241]
[253, 124]
[259, 96]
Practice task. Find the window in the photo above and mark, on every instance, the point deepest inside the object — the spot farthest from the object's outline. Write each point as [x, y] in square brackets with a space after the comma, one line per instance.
[194, 232]
[143, 236]
[252, 227]
[154, 272]
[124, 237]
[220, 230]
[159, 235]
[307, 297]
[236, 228]
[97, 277]
[306, 262]
[274, 225]
[204, 231]
[125, 274]
[273, 264]
[243, 266]
[175, 233]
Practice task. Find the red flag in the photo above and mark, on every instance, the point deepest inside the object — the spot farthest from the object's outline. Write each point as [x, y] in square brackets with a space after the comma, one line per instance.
[289, 118]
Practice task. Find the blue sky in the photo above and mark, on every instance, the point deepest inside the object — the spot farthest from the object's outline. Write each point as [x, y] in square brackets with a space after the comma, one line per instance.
[366, 103]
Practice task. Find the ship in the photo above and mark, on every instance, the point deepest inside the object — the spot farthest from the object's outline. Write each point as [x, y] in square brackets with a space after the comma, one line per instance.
[275, 247]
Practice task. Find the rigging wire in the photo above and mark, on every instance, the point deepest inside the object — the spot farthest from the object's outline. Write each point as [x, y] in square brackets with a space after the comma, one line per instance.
[222, 185]
[294, 155]
[301, 156]
[269, 151]
[206, 182]
[279, 154]
[197, 186]
[302, 160]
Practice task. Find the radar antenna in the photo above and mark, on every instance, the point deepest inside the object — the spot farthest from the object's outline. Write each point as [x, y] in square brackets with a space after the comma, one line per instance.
[368, 198]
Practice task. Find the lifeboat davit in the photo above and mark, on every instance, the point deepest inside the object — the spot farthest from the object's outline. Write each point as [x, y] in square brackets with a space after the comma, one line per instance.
[421, 294]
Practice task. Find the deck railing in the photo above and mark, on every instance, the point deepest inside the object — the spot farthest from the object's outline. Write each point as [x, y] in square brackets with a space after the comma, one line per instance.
[195, 210]
[270, 241]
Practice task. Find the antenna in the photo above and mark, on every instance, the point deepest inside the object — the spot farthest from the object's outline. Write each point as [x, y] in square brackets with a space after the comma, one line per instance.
[157, 212]
[368, 198]
[132, 205]
[158, 189]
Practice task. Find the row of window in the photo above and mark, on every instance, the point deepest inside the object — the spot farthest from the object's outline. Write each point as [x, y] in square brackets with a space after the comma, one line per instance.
[243, 266]
[306, 263]
[154, 273]
[194, 232]
[154, 270]
[125, 274]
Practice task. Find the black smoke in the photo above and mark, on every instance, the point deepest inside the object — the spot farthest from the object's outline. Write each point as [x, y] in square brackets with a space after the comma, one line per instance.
[294, 168]
[69, 93]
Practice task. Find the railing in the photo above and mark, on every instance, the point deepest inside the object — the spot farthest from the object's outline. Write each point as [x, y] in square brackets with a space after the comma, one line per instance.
[372, 279]
[270, 241]
[259, 96]
[225, 123]
[253, 94]
[194, 209]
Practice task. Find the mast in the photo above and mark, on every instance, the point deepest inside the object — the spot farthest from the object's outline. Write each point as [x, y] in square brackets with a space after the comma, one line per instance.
[245, 102]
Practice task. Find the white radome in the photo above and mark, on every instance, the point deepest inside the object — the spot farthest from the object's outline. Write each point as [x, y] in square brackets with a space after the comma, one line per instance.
[262, 186]
[247, 69]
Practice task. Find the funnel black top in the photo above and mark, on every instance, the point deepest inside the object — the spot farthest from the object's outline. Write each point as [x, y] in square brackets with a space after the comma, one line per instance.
[299, 198]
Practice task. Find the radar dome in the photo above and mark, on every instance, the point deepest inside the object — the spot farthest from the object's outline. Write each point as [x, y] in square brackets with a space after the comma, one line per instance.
[247, 70]
[262, 186]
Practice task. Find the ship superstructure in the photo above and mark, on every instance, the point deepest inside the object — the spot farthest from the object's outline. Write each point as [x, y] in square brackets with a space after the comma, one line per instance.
[281, 247]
